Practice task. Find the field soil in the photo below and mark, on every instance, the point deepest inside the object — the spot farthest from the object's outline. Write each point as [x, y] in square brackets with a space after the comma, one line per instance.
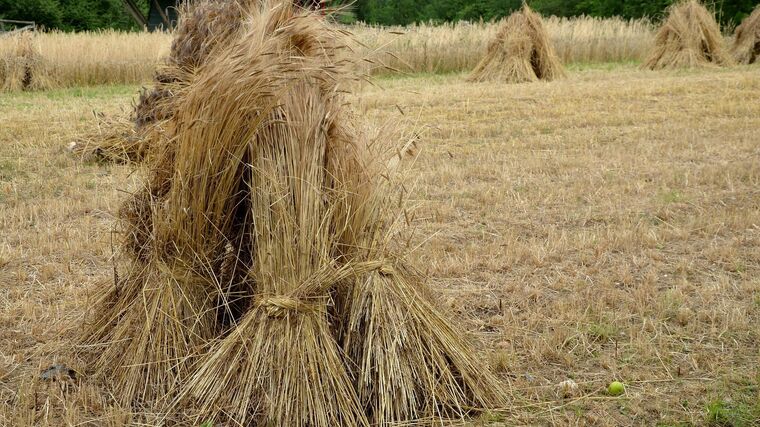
[603, 227]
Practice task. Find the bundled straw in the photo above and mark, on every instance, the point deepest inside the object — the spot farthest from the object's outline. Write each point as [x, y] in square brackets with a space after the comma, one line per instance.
[408, 361]
[689, 37]
[746, 48]
[521, 52]
[289, 369]
[263, 286]
[149, 329]
[21, 66]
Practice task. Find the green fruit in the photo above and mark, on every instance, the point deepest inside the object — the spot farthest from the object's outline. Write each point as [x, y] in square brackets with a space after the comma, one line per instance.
[616, 388]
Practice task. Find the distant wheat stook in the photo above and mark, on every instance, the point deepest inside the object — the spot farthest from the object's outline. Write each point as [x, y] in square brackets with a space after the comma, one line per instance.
[20, 65]
[521, 52]
[689, 37]
[265, 280]
[746, 47]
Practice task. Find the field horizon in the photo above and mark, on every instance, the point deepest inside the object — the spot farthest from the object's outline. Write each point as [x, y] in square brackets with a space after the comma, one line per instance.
[113, 57]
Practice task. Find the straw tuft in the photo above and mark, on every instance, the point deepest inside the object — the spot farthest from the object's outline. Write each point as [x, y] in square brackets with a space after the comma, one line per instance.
[521, 52]
[114, 140]
[689, 37]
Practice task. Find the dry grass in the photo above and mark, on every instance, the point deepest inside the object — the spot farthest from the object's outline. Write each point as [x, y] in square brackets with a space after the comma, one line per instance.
[603, 227]
[591, 40]
[109, 57]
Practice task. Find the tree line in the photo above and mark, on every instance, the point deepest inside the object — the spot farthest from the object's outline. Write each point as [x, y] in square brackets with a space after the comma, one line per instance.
[77, 15]
[403, 12]
[71, 15]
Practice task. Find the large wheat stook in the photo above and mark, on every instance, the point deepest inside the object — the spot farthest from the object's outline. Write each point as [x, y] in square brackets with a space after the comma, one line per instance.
[263, 286]
[22, 66]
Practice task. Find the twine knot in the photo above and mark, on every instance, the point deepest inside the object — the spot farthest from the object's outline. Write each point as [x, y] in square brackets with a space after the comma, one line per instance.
[386, 268]
[280, 305]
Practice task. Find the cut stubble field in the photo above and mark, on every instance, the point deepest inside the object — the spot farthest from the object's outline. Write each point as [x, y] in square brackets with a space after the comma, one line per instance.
[604, 227]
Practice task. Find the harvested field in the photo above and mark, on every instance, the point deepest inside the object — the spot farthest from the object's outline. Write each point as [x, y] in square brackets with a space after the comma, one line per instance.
[603, 227]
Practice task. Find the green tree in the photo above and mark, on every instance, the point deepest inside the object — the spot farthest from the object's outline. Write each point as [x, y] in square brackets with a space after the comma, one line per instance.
[70, 15]
[401, 12]
[94, 14]
[77, 15]
[46, 13]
